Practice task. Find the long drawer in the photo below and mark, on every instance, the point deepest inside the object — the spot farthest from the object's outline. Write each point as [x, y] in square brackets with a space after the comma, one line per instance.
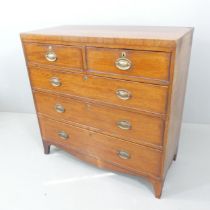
[141, 96]
[125, 154]
[127, 125]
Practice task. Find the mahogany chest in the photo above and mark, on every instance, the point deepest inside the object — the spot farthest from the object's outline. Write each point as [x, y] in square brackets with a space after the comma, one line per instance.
[111, 95]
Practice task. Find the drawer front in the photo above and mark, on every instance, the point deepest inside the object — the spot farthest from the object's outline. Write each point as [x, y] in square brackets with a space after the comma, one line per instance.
[110, 149]
[56, 55]
[128, 94]
[129, 64]
[123, 124]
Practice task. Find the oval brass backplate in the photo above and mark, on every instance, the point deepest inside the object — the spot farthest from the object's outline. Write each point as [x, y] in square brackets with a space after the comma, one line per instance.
[123, 154]
[63, 135]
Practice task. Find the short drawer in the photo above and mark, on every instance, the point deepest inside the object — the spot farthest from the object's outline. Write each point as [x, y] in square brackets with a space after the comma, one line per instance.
[127, 125]
[125, 154]
[134, 95]
[56, 55]
[129, 64]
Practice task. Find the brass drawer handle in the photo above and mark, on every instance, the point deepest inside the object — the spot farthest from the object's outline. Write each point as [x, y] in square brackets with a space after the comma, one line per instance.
[123, 63]
[123, 154]
[59, 108]
[50, 55]
[124, 125]
[123, 94]
[55, 82]
[63, 135]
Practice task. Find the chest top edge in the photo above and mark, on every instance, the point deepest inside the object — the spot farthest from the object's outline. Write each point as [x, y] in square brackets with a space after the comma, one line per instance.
[165, 38]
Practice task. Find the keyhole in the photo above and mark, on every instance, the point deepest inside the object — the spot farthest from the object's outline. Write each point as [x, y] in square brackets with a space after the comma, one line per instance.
[85, 77]
[123, 54]
[88, 106]
[50, 48]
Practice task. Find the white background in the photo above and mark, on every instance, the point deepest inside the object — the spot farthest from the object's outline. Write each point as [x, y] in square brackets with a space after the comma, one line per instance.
[24, 15]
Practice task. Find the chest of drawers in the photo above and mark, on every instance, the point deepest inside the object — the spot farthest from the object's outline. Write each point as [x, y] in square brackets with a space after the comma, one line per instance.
[111, 95]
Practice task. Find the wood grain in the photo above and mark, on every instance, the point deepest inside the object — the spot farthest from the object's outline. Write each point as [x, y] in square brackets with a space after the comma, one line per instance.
[145, 64]
[147, 97]
[67, 56]
[89, 80]
[144, 129]
[176, 104]
[103, 147]
[147, 37]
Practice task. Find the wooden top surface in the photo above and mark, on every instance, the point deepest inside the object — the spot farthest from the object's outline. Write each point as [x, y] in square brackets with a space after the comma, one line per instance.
[109, 34]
